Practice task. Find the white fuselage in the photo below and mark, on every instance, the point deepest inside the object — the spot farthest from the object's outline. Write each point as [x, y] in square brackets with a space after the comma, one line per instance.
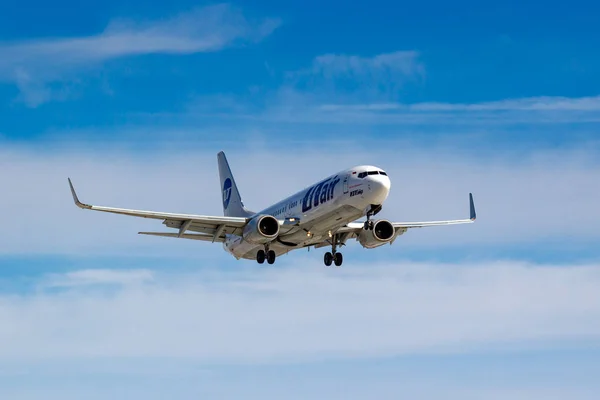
[319, 210]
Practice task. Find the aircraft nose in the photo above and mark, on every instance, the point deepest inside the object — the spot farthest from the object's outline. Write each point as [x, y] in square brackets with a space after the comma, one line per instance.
[379, 186]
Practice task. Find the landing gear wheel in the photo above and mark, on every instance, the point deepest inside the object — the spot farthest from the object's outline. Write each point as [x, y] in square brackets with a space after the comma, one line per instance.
[260, 256]
[328, 259]
[270, 256]
[368, 225]
[338, 259]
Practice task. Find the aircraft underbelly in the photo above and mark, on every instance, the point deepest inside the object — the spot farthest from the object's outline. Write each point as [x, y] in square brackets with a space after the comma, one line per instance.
[242, 249]
[318, 226]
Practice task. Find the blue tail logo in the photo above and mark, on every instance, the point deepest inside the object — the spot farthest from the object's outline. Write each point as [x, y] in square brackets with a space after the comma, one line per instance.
[226, 193]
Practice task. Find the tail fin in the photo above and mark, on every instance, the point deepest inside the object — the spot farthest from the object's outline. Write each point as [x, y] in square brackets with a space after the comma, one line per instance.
[232, 201]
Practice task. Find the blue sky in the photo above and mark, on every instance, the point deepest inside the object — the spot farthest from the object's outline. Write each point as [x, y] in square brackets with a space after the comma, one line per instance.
[133, 100]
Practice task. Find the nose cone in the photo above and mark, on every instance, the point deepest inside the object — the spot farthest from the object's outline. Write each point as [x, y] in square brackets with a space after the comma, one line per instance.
[379, 187]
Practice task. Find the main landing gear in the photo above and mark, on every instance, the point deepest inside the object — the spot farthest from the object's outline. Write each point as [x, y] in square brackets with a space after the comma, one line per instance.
[266, 254]
[333, 257]
[336, 258]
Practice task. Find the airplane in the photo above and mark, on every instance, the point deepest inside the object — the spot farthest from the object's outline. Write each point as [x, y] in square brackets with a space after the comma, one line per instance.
[321, 215]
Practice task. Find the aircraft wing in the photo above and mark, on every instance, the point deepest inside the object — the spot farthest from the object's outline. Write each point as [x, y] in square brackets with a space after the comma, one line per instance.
[213, 227]
[472, 217]
[355, 227]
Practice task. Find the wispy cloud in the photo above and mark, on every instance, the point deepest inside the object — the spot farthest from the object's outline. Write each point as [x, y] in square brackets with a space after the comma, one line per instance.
[524, 104]
[309, 109]
[350, 76]
[33, 63]
[385, 68]
[532, 110]
[255, 314]
[543, 103]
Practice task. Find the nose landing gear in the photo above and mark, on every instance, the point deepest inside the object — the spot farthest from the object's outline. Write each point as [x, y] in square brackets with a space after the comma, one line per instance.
[375, 208]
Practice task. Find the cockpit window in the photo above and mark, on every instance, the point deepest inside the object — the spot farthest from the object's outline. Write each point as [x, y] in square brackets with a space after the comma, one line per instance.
[364, 174]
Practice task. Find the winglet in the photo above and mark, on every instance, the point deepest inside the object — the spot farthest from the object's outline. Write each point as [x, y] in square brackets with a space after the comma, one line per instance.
[76, 199]
[472, 207]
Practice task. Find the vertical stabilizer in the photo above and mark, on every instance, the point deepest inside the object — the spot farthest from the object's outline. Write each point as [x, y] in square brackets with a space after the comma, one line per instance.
[232, 201]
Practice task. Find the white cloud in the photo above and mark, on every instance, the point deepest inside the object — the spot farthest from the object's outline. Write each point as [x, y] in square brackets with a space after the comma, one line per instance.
[550, 391]
[540, 197]
[32, 64]
[90, 277]
[309, 312]
[425, 377]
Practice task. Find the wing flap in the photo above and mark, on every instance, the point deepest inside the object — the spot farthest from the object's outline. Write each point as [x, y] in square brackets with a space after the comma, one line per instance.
[425, 224]
[193, 236]
[205, 227]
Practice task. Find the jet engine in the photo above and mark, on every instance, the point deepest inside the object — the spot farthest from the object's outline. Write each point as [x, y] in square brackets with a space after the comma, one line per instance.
[261, 229]
[383, 232]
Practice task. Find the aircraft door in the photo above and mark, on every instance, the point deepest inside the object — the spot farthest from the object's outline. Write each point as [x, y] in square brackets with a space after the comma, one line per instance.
[346, 184]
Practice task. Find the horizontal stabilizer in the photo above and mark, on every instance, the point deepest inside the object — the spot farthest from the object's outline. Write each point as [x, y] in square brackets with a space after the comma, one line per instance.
[194, 236]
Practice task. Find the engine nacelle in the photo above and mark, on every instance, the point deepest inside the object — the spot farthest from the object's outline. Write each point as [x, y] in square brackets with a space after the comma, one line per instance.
[261, 229]
[383, 232]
